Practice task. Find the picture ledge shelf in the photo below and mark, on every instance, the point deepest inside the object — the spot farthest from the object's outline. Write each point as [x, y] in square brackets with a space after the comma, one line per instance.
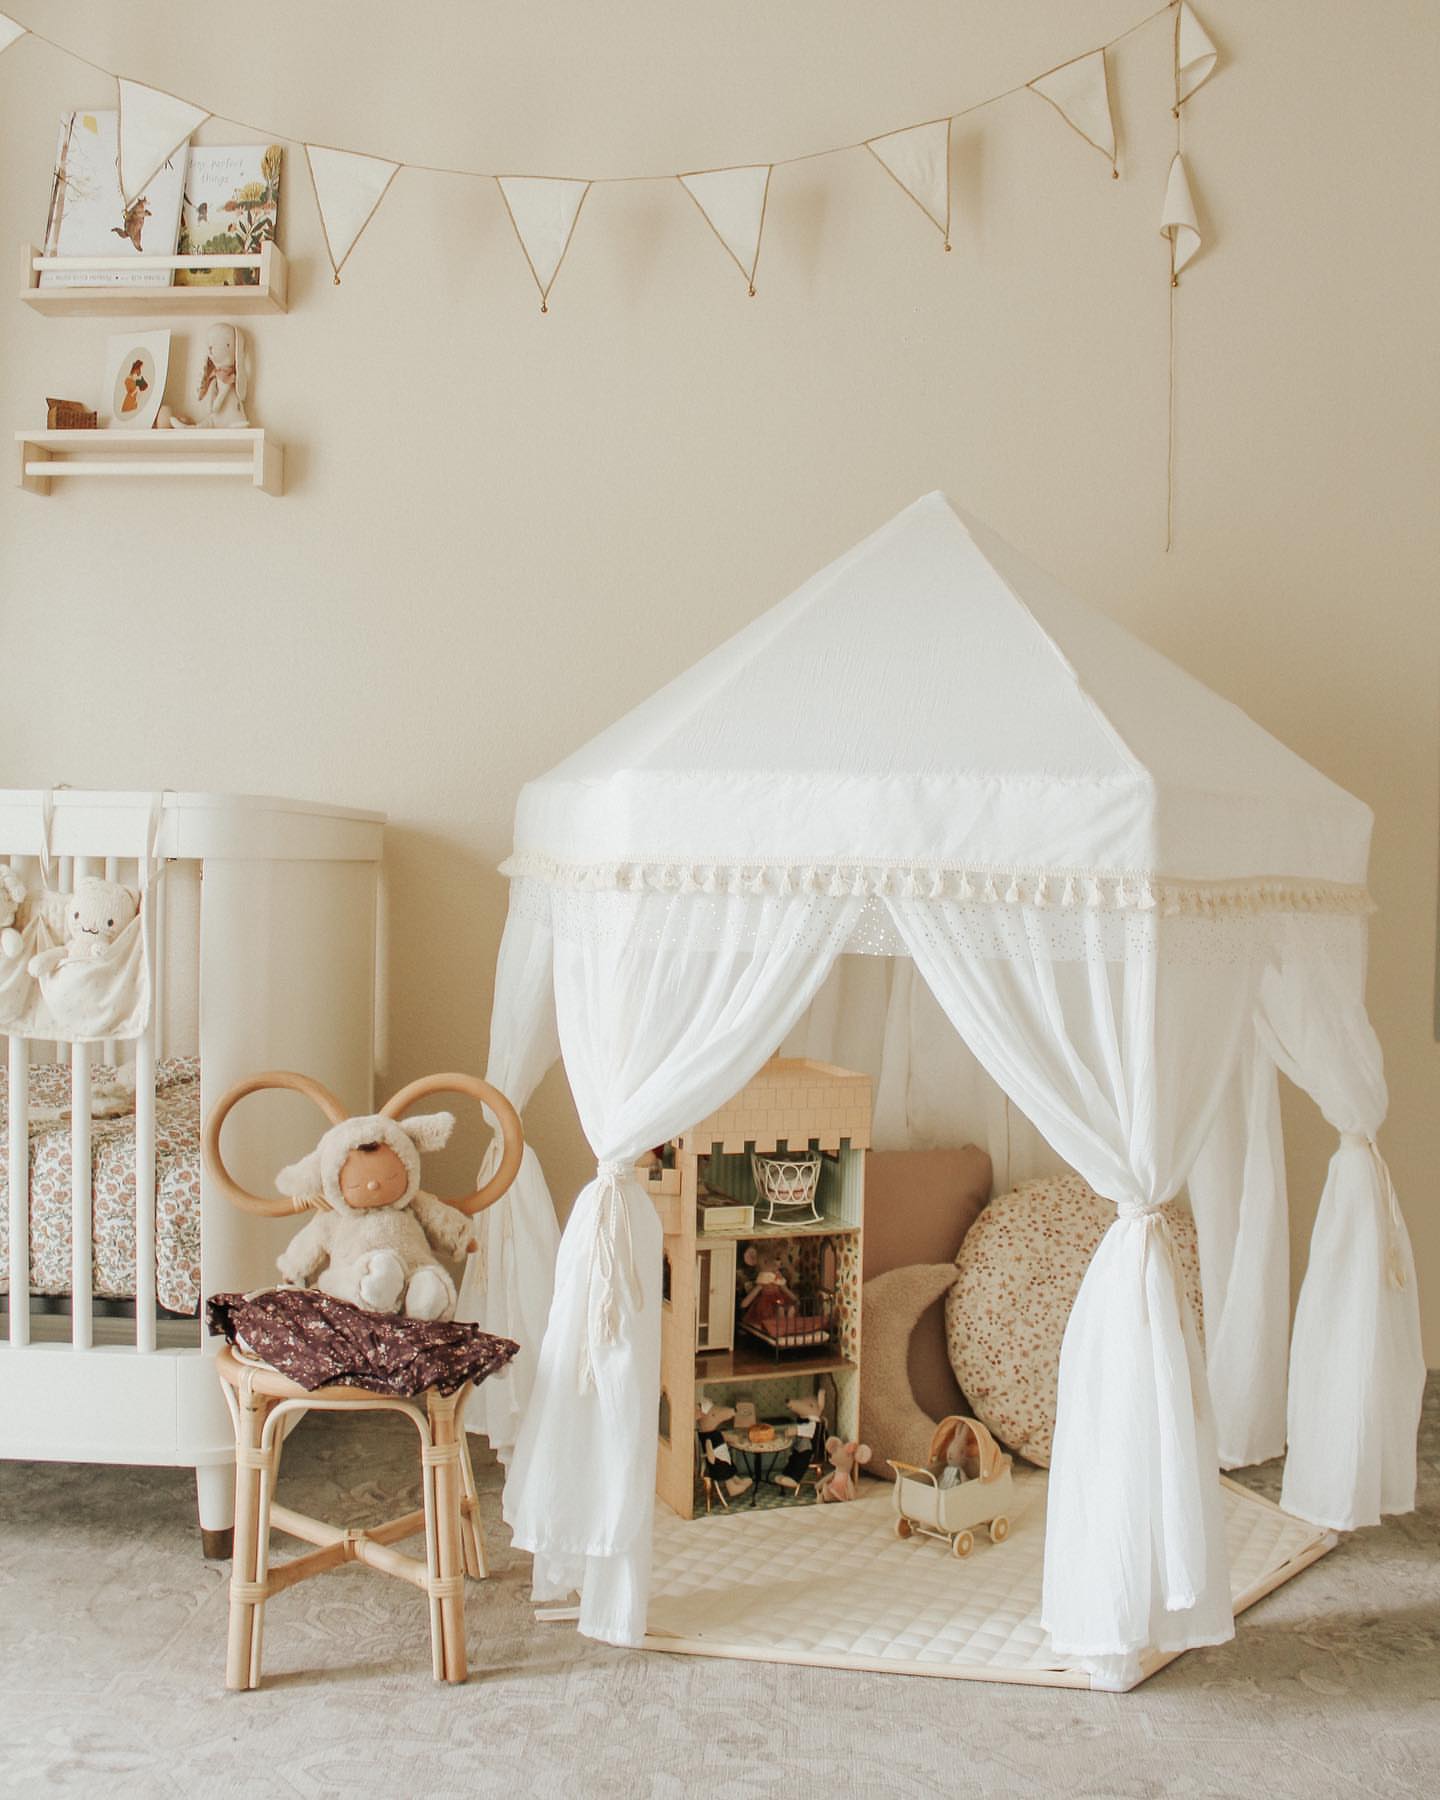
[249, 455]
[268, 295]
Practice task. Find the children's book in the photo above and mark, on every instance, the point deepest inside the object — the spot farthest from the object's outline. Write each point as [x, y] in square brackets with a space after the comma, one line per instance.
[88, 213]
[232, 200]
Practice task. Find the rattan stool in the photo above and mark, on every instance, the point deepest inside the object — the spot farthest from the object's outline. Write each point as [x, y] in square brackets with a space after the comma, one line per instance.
[260, 1399]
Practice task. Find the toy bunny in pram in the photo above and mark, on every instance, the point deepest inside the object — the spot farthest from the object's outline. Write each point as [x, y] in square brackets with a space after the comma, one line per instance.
[966, 1483]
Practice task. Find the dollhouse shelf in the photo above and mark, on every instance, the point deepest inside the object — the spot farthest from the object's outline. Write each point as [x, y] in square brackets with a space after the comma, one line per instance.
[745, 1364]
[267, 295]
[750, 1233]
[249, 455]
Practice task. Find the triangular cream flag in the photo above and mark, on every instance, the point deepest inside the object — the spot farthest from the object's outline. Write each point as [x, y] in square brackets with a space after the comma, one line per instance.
[9, 31]
[1080, 92]
[543, 211]
[919, 159]
[1195, 54]
[1177, 220]
[348, 190]
[153, 126]
[732, 203]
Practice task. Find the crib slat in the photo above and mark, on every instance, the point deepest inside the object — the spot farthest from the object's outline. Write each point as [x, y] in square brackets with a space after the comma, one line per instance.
[81, 1218]
[19, 1168]
[110, 1049]
[145, 1190]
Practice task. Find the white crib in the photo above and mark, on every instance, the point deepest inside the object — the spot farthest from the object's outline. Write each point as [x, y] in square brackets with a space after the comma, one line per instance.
[264, 919]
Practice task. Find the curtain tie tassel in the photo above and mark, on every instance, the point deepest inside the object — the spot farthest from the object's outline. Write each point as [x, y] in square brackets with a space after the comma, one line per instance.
[1394, 1219]
[612, 1267]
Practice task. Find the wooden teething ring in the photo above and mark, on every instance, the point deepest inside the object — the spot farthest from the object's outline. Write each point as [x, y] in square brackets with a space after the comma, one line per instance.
[513, 1138]
[281, 1205]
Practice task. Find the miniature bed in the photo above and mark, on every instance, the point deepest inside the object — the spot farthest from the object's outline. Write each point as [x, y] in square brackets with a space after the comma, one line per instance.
[1131, 903]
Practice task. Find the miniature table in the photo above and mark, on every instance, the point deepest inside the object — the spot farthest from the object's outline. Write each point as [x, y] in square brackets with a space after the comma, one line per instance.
[761, 1457]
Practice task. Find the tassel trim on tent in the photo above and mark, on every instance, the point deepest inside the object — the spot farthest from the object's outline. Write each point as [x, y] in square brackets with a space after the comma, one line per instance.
[1093, 890]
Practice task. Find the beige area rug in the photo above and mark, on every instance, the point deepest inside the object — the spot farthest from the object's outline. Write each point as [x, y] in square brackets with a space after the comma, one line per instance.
[834, 1587]
[112, 1649]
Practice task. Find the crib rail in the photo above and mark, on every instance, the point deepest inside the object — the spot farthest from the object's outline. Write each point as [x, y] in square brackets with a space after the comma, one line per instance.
[145, 1052]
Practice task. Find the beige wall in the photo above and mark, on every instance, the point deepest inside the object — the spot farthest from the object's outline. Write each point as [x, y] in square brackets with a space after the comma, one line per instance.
[501, 530]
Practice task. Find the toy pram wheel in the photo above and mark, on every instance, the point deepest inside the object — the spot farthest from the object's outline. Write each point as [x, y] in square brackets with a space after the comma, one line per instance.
[999, 1529]
[903, 1528]
[962, 1543]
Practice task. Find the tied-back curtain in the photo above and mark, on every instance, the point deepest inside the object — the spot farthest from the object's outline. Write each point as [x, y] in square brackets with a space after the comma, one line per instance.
[666, 1005]
[1357, 1369]
[509, 1281]
[1117, 1035]
[1237, 1194]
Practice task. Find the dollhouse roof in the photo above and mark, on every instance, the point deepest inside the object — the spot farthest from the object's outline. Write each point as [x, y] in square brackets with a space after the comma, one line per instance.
[933, 698]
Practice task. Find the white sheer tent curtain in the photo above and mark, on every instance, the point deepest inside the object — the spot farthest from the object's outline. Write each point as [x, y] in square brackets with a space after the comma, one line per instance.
[509, 1281]
[667, 1005]
[1357, 1370]
[1237, 1194]
[874, 1013]
[1119, 1051]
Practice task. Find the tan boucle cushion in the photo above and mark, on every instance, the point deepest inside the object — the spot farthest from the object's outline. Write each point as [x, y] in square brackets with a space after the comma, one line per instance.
[892, 1421]
[1019, 1270]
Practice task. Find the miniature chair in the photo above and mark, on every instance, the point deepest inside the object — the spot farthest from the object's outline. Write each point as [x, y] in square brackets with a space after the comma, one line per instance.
[260, 1399]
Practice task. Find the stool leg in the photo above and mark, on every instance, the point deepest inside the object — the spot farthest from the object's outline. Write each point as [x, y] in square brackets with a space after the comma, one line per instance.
[472, 1532]
[449, 1565]
[269, 1473]
[241, 1667]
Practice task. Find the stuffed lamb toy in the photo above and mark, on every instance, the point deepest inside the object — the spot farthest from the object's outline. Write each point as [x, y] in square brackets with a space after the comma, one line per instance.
[94, 916]
[12, 897]
[376, 1245]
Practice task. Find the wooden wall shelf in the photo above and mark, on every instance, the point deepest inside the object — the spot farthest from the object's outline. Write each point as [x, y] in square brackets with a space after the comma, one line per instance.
[266, 296]
[245, 455]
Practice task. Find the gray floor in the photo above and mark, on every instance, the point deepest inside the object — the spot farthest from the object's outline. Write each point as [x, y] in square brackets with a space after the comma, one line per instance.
[112, 1637]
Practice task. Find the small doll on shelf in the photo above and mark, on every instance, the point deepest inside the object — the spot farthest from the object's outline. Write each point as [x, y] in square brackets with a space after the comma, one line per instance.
[768, 1291]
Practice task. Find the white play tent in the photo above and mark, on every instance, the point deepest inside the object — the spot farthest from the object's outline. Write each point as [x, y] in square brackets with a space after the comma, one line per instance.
[1130, 902]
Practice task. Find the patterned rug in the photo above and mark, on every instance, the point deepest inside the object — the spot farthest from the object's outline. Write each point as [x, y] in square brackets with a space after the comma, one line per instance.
[112, 1639]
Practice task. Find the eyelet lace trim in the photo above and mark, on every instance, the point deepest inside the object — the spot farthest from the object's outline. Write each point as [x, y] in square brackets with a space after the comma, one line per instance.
[1107, 890]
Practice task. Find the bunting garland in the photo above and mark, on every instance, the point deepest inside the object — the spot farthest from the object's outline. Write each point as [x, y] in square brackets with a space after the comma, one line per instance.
[153, 126]
[348, 189]
[543, 211]
[1194, 57]
[1080, 92]
[732, 203]
[350, 185]
[918, 159]
[1195, 54]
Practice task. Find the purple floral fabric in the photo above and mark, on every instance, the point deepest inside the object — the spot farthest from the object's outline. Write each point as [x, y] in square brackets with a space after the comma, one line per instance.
[320, 1341]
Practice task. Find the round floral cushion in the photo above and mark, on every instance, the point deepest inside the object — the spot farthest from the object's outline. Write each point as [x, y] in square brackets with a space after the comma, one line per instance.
[1020, 1268]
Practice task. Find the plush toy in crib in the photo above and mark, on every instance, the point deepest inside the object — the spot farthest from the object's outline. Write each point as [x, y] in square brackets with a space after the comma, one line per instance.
[12, 898]
[843, 1481]
[93, 916]
[376, 1245]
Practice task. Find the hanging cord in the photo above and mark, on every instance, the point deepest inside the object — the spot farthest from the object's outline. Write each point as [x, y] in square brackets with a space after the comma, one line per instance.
[1174, 284]
[612, 1264]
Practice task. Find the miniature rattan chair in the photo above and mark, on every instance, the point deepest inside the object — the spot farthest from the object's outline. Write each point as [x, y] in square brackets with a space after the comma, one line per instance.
[260, 1399]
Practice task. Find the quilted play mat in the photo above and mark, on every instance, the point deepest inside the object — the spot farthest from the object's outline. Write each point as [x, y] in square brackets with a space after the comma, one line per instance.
[833, 1586]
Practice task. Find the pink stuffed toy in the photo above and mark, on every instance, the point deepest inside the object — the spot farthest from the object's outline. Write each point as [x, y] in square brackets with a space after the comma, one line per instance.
[842, 1483]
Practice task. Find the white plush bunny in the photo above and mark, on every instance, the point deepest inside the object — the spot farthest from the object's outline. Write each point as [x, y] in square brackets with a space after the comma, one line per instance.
[376, 1246]
[12, 898]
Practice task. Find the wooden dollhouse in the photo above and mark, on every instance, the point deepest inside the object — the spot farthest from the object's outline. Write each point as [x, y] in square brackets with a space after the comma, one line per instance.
[772, 1181]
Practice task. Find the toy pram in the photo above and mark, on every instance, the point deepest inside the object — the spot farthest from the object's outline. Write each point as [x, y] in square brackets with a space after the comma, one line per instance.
[923, 1505]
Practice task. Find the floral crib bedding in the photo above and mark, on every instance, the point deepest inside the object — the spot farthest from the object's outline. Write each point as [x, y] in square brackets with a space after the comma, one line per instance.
[112, 1156]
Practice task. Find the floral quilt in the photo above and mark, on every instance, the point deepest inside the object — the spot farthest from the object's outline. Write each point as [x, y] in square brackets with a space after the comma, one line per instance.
[112, 1157]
